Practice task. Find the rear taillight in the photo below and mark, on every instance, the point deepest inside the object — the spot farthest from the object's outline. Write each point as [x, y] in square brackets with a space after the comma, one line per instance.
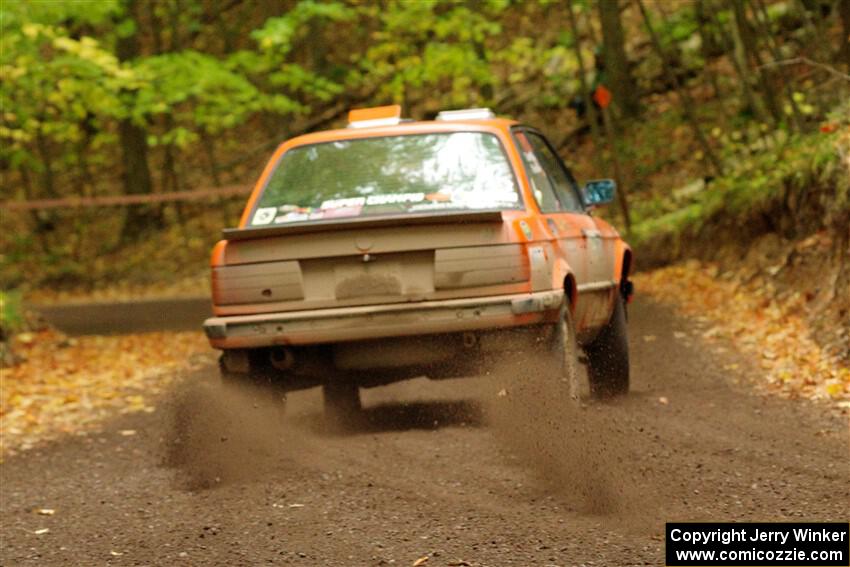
[257, 283]
[476, 266]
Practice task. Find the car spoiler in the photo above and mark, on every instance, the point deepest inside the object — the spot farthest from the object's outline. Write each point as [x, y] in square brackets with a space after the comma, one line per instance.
[361, 222]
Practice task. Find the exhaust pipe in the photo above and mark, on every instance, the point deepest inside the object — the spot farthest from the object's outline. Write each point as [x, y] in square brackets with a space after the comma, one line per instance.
[282, 358]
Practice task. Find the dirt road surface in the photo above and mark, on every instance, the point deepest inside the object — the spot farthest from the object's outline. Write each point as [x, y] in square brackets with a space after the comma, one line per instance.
[450, 470]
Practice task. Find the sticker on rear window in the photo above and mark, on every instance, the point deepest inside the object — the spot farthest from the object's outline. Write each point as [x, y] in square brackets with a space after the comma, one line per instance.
[291, 217]
[343, 203]
[339, 212]
[264, 215]
[395, 198]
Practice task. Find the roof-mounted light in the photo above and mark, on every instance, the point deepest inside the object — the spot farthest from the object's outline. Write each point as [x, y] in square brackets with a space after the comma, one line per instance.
[375, 116]
[466, 114]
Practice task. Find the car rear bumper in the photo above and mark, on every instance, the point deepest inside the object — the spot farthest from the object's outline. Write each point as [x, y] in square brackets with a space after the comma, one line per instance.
[372, 322]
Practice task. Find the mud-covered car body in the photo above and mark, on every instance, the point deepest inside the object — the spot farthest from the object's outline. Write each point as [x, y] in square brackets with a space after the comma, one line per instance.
[392, 249]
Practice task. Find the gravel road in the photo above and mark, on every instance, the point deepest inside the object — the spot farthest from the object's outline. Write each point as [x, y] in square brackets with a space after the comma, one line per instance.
[451, 470]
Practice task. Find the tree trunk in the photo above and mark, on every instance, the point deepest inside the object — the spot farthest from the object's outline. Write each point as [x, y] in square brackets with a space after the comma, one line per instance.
[47, 179]
[763, 25]
[843, 56]
[619, 77]
[685, 99]
[622, 196]
[585, 91]
[40, 227]
[750, 51]
[710, 47]
[134, 149]
[134, 145]
[732, 45]
[208, 142]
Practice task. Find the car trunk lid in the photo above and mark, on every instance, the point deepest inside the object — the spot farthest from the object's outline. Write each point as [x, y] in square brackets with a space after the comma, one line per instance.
[368, 261]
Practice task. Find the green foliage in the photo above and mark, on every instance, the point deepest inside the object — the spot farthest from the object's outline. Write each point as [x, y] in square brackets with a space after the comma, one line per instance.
[425, 44]
[678, 27]
[53, 88]
[63, 91]
[756, 183]
[270, 64]
[57, 12]
[199, 93]
[11, 313]
[279, 34]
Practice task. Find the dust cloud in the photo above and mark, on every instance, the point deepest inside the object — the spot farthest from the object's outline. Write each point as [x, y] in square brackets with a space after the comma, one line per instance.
[586, 453]
[221, 433]
[578, 448]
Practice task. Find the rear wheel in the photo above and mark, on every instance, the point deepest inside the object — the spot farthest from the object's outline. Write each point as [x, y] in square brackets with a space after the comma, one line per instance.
[342, 401]
[608, 357]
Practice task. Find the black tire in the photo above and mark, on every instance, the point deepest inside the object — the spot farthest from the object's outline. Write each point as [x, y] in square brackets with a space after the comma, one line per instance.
[608, 357]
[565, 349]
[342, 402]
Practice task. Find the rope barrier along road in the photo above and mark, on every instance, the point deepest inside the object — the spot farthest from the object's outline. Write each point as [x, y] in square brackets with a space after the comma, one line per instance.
[123, 200]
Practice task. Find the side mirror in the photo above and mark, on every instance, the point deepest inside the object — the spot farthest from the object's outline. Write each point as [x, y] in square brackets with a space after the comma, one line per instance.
[598, 192]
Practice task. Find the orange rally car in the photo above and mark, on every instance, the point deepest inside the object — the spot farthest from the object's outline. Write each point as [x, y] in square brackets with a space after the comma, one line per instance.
[393, 249]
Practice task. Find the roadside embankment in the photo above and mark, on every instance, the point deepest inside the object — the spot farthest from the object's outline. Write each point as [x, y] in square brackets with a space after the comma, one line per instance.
[764, 253]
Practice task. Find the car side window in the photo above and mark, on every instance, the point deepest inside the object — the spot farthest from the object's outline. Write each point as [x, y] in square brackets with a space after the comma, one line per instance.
[541, 184]
[563, 185]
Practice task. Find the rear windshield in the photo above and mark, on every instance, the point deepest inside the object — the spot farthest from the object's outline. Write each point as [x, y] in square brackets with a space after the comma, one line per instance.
[458, 171]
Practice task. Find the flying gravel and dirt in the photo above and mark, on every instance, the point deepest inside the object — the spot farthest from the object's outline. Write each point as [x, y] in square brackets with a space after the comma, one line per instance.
[495, 470]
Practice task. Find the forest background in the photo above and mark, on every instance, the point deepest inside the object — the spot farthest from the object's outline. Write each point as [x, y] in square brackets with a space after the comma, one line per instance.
[729, 131]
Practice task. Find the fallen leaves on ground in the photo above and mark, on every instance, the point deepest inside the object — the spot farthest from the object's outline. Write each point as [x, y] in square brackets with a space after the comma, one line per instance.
[70, 385]
[774, 331]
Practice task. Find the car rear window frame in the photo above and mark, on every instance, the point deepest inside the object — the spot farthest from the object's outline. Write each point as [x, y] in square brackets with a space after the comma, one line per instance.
[521, 203]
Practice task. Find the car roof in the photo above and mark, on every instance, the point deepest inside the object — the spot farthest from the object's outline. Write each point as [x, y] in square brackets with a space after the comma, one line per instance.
[405, 128]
